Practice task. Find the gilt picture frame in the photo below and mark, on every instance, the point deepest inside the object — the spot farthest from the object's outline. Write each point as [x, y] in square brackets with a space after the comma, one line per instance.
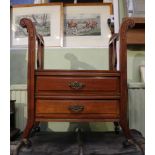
[85, 25]
[47, 18]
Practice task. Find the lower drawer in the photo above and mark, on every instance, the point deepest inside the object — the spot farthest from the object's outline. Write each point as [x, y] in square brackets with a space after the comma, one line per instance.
[77, 107]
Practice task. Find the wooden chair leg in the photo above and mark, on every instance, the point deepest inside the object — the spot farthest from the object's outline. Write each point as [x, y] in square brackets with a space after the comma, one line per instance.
[35, 129]
[79, 140]
[27, 132]
[116, 128]
[129, 140]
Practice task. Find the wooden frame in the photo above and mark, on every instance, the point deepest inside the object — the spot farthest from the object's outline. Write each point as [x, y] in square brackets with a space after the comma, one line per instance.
[85, 24]
[48, 19]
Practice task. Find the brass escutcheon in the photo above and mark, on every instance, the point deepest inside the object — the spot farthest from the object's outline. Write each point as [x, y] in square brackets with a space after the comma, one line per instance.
[76, 108]
[76, 85]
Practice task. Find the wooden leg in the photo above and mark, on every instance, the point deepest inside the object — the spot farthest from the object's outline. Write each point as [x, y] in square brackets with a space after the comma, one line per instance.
[79, 140]
[28, 129]
[35, 129]
[125, 128]
[116, 127]
[36, 126]
[27, 143]
[128, 142]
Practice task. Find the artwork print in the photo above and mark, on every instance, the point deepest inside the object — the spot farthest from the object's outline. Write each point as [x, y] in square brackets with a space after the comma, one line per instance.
[41, 21]
[82, 25]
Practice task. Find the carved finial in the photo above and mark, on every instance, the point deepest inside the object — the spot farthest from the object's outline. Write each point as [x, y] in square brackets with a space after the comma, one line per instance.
[24, 22]
[130, 22]
[126, 24]
[27, 23]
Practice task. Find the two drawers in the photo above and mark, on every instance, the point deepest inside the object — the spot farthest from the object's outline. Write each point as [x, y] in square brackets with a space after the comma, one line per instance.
[77, 96]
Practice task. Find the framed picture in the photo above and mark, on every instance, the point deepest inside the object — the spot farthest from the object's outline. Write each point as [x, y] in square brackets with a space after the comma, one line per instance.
[85, 25]
[48, 19]
[14, 2]
[134, 8]
[139, 8]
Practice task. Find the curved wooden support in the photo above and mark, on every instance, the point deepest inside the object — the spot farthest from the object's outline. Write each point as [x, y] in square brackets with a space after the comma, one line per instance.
[129, 23]
[27, 23]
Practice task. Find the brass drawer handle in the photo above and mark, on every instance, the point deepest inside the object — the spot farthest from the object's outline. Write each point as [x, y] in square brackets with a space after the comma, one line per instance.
[76, 108]
[76, 85]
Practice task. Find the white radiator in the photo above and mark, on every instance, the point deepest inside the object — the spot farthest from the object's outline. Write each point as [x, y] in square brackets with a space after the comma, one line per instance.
[136, 105]
[19, 93]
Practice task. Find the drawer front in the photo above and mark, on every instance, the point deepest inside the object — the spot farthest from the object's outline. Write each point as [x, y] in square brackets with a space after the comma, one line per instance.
[77, 107]
[49, 83]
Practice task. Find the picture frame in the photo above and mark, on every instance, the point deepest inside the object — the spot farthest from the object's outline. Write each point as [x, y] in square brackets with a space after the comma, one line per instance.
[134, 8]
[14, 2]
[48, 19]
[139, 8]
[85, 25]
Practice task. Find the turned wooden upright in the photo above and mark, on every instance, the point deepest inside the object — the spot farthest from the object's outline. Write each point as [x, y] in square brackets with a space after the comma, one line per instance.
[77, 95]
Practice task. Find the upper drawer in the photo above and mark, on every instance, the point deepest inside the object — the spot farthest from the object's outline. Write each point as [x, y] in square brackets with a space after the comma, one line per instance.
[51, 83]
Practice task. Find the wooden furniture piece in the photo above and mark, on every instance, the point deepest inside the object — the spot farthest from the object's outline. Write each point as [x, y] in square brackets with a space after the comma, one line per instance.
[76, 95]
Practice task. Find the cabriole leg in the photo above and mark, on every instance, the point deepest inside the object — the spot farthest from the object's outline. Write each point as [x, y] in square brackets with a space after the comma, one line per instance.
[128, 142]
[27, 132]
